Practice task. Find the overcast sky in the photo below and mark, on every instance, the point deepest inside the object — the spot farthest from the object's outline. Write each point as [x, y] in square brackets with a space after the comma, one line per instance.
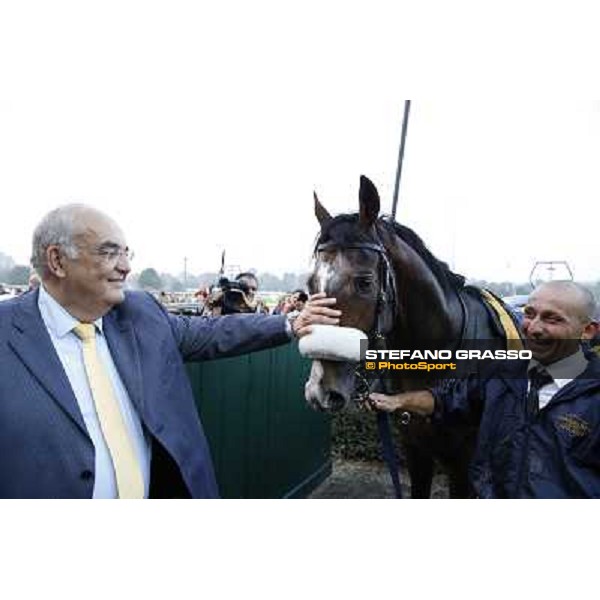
[203, 130]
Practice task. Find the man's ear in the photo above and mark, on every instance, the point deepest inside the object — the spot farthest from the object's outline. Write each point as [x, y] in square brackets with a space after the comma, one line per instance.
[591, 330]
[54, 261]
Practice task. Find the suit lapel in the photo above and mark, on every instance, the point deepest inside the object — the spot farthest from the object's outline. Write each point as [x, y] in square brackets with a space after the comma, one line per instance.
[30, 340]
[125, 353]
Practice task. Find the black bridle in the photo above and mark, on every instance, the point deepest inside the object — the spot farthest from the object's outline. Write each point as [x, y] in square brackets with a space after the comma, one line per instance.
[385, 310]
[386, 295]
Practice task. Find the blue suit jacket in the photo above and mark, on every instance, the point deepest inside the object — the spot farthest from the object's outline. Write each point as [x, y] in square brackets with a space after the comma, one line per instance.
[45, 450]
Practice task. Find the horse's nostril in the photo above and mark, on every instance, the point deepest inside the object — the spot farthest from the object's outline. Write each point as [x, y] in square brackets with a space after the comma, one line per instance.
[336, 401]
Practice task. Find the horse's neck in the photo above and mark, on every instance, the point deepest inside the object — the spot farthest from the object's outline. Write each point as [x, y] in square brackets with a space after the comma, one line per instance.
[429, 314]
[427, 310]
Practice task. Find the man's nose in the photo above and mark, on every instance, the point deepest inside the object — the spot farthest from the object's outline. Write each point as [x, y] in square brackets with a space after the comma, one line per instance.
[123, 265]
[532, 327]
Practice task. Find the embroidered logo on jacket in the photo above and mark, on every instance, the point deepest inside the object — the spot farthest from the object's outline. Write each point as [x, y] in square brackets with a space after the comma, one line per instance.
[574, 425]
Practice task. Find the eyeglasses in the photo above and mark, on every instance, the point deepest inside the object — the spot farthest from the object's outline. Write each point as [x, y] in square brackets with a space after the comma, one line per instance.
[113, 253]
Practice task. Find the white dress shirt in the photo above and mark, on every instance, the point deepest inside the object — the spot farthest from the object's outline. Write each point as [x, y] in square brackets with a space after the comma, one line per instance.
[562, 372]
[69, 348]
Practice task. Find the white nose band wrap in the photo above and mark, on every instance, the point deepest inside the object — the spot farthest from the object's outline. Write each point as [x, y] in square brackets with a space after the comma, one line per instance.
[329, 342]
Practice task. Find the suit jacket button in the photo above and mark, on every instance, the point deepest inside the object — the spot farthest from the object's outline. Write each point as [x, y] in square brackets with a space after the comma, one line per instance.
[86, 475]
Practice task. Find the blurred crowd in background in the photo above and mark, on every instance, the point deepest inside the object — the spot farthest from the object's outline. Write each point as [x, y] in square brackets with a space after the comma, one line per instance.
[240, 294]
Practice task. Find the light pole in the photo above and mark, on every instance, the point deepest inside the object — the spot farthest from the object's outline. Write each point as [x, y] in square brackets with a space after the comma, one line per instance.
[401, 156]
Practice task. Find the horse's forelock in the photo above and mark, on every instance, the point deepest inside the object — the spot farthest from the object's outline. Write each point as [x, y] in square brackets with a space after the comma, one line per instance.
[344, 230]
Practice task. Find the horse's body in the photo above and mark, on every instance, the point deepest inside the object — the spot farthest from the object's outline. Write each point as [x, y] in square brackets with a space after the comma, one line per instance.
[390, 286]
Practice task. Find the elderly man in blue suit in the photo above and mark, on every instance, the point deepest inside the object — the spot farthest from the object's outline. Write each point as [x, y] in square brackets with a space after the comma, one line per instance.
[94, 398]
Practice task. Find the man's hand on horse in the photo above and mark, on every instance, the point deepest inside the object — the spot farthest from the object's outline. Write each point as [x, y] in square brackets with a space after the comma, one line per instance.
[318, 310]
[420, 402]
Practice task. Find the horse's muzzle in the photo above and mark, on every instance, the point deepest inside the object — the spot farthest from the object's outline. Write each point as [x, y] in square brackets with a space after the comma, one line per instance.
[330, 386]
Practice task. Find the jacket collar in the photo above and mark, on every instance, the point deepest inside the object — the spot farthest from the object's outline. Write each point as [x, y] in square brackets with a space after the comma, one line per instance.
[586, 381]
[567, 368]
[515, 377]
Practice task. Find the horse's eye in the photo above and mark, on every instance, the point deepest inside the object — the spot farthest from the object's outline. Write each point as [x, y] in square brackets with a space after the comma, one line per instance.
[363, 284]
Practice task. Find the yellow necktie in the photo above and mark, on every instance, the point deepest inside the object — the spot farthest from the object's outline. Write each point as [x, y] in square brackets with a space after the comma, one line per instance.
[128, 472]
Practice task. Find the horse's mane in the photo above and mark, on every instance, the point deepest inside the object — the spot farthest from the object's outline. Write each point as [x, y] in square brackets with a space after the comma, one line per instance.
[342, 230]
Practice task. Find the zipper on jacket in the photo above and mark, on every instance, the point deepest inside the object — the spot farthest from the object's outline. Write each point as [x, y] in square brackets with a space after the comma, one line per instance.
[530, 417]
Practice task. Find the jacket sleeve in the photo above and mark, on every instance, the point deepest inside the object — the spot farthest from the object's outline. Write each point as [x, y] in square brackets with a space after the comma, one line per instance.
[206, 338]
[458, 401]
[462, 400]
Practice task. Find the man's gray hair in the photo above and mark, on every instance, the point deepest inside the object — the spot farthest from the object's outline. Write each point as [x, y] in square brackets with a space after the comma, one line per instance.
[57, 228]
[586, 297]
[589, 303]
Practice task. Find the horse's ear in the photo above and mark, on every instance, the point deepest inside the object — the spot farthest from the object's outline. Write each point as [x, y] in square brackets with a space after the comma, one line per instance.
[321, 212]
[368, 201]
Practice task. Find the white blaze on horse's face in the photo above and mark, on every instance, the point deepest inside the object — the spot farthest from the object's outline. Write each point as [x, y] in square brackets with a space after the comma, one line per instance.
[313, 390]
[323, 275]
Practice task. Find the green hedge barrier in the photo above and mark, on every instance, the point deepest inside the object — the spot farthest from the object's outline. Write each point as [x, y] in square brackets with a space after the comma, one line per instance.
[355, 437]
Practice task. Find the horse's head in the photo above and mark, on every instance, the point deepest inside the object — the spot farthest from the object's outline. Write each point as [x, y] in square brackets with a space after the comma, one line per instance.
[387, 284]
[352, 265]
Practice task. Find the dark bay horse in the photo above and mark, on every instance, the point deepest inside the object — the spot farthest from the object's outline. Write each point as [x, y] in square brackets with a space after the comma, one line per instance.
[389, 285]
